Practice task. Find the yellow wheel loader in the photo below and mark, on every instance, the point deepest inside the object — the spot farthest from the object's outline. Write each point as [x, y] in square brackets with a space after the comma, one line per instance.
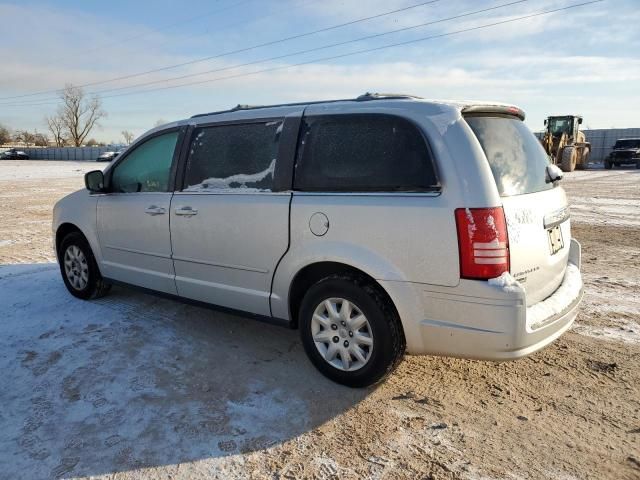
[565, 143]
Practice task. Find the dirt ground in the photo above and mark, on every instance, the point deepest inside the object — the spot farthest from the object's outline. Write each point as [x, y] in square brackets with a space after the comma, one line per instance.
[133, 386]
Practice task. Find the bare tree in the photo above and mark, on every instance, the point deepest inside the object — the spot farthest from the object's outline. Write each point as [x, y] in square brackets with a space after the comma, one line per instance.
[40, 139]
[160, 121]
[57, 128]
[92, 142]
[128, 136]
[5, 135]
[25, 137]
[79, 114]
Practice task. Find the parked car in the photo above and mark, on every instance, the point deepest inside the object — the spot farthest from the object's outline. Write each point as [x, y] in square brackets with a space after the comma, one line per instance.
[106, 156]
[374, 226]
[626, 151]
[13, 154]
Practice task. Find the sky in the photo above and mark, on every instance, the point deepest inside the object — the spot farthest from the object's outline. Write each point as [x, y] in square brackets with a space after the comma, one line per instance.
[585, 60]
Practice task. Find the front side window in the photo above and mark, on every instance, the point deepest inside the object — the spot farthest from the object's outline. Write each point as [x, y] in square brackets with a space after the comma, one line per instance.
[240, 157]
[147, 168]
[363, 153]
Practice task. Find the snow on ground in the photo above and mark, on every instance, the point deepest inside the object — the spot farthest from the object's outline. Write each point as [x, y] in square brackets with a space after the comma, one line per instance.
[132, 386]
[604, 197]
[130, 382]
[605, 211]
[30, 169]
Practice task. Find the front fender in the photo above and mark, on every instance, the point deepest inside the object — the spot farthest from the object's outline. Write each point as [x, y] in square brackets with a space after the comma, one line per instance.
[78, 209]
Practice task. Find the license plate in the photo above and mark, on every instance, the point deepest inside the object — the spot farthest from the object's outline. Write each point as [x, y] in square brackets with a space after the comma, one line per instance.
[555, 239]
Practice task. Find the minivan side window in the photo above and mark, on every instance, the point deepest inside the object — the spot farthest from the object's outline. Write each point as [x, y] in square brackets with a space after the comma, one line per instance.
[363, 153]
[147, 168]
[237, 157]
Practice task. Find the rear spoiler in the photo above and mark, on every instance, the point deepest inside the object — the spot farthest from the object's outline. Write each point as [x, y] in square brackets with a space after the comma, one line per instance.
[493, 110]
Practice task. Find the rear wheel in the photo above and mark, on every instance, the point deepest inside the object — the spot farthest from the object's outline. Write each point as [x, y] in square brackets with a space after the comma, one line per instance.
[79, 269]
[568, 162]
[350, 330]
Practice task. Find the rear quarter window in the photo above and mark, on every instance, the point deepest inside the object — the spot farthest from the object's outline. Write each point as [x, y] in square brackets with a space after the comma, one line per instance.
[363, 153]
[516, 157]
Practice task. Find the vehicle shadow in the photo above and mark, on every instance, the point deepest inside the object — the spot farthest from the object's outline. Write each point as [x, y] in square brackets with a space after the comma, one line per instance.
[132, 381]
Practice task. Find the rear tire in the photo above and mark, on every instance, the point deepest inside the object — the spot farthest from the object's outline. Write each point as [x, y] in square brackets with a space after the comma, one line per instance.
[568, 162]
[365, 323]
[608, 164]
[584, 160]
[79, 269]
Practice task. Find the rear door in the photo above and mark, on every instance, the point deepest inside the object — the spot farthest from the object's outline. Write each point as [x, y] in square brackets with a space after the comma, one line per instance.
[536, 210]
[230, 221]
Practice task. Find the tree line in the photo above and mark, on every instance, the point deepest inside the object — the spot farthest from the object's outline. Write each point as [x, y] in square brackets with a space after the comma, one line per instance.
[76, 117]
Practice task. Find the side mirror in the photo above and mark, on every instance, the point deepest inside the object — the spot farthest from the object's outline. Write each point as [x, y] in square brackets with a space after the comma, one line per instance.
[545, 122]
[94, 181]
[579, 121]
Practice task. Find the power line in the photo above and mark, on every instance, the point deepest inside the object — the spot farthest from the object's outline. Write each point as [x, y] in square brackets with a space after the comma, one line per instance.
[358, 52]
[232, 52]
[314, 49]
[165, 27]
[227, 26]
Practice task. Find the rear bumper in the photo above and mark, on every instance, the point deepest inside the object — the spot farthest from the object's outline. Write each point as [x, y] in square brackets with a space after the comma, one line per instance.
[480, 321]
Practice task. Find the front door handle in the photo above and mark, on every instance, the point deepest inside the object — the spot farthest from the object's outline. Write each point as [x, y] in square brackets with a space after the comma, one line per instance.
[187, 211]
[153, 210]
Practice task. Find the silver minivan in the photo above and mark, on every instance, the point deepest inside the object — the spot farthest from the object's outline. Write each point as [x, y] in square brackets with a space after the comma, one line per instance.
[375, 226]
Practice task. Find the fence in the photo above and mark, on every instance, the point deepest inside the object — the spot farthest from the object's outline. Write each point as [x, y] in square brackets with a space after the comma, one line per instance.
[65, 153]
[602, 140]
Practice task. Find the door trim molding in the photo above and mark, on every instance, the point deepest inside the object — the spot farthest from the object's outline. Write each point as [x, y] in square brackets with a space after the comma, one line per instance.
[140, 252]
[221, 265]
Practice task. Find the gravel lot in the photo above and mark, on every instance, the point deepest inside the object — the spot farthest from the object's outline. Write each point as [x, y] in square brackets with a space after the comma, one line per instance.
[133, 386]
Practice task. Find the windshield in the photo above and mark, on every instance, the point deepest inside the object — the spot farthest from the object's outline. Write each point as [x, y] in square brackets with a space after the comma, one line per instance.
[517, 160]
[631, 143]
[560, 125]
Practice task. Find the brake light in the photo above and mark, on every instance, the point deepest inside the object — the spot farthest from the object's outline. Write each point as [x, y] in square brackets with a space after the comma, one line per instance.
[483, 242]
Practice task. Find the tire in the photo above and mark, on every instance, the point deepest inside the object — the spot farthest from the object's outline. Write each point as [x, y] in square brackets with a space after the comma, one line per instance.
[568, 162]
[584, 161]
[608, 164]
[381, 329]
[79, 269]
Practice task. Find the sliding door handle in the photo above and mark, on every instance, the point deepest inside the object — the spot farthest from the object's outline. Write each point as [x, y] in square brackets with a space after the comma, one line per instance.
[186, 211]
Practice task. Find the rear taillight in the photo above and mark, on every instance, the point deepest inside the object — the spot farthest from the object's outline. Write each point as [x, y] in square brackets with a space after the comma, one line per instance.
[483, 242]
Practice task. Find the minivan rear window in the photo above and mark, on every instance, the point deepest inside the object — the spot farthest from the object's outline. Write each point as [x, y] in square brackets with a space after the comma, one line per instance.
[363, 153]
[516, 157]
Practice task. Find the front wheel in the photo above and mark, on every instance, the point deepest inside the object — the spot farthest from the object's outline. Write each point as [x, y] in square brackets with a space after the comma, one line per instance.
[79, 269]
[350, 330]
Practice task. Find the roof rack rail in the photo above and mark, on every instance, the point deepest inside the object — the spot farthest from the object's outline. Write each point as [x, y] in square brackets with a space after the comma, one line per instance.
[381, 96]
[245, 107]
[361, 98]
